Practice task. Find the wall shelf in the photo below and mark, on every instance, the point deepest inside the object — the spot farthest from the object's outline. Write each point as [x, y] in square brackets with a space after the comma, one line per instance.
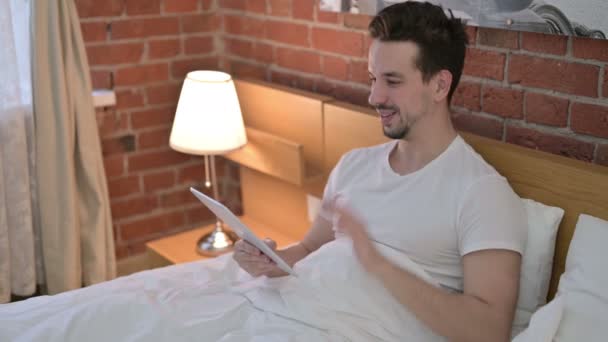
[275, 156]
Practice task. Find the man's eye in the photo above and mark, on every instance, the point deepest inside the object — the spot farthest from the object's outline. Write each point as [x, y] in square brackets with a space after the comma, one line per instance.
[392, 83]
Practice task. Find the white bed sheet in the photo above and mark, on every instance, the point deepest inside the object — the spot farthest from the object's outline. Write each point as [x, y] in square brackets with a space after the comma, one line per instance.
[333, 299]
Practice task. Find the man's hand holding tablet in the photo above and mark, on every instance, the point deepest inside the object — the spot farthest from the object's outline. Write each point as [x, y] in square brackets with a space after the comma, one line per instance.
[254, 255]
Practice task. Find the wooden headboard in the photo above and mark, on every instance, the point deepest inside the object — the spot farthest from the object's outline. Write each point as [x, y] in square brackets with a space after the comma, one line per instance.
[320, 130]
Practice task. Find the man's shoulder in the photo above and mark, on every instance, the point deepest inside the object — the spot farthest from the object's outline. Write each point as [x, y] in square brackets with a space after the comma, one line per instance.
[472, 164]
[363, 154]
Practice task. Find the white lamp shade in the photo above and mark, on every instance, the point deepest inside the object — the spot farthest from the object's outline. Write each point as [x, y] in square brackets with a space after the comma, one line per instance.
[208, 119]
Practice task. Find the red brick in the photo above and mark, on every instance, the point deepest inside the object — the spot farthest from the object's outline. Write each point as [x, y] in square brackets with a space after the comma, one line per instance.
[241, 69]
[114, 166]
[101, 79]
[152, 117]
[467, 95]
[263, 52]
[571, 78]
[300, 60]
[291, 80]
[118, 145]
[546, 110]
[480, 125]
[118, 53]
[153, 139]
[485, 64]
[471, 32]
[335, 67]
[180, 68]
[191, 174]
[199, 45]
[111, 123]
[280, 8]
[242, 48]
[177, 198]
[135, 7]
[359, 72]
[341, 92]
[164, 48]
[159, 180]
[150, 225]
[551, 143]
[288, 33]
[142, 74]
[343, 42]
[199, 215]
[96, 8]
[129, 98]
[589, 119]
[303, 9]
[178, 6]
[605, 87]
[601, 156]
[164, 94]
[498, 38]
[154, 160]
[544, 43]
[132, 206]
[357, 21]
[121, 187]
[256, 6]
[327, 16]
[94, 31]
[504, 102]
[208, 4]
[233, 4]
[129, 249]
[200, 23]
[144, 28]
[588, 48]
[241, 25]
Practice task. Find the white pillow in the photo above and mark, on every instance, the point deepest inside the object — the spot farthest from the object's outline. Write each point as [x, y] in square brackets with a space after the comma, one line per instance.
[537, 261]
[544, 323]
[584, 284]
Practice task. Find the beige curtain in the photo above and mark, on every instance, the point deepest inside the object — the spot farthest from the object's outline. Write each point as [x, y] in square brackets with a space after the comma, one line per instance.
[19, 268]
[76, 227]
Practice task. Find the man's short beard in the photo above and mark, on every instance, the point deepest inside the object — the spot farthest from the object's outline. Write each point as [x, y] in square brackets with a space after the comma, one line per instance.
[398, 134]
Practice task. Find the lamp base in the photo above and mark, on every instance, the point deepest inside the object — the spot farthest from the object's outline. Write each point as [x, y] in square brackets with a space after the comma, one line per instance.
[219, 241]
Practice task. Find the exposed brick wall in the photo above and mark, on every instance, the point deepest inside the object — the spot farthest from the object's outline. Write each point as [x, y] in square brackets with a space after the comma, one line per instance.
[142, 50]
[540, 91]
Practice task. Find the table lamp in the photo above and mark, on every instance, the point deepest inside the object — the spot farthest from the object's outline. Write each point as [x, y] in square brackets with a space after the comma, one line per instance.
[208, 122]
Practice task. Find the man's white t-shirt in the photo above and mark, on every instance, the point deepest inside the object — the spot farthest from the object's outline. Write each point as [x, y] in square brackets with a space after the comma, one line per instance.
[455, 205]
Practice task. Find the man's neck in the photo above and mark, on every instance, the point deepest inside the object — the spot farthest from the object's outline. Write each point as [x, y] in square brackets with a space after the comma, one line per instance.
[427, 139]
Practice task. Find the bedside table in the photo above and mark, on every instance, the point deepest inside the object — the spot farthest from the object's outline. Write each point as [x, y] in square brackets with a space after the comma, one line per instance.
[181, 247]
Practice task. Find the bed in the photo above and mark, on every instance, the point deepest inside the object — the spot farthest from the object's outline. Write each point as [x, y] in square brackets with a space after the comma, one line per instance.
[292, 148]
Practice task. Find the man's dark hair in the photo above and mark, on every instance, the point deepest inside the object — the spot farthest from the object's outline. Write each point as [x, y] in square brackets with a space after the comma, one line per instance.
[441, 40]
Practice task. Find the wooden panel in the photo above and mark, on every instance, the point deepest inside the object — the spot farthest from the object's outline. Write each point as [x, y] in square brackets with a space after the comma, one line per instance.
[575, 186]
[285, 112]
[348, 127]
[274, 156]
[274, 202]
[180, 248]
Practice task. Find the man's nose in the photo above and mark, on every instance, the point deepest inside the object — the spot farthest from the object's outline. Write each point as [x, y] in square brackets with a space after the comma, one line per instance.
[377, 95]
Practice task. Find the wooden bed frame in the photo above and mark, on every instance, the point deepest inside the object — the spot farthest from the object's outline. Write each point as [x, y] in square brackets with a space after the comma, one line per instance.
[298, 137]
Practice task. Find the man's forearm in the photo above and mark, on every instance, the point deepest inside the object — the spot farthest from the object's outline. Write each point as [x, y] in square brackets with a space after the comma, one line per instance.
[455, 316]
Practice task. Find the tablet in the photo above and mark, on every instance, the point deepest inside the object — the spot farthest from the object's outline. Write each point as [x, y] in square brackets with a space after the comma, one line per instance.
[240, 229]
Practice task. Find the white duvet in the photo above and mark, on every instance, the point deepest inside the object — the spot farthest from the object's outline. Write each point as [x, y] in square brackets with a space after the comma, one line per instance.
[332, 299]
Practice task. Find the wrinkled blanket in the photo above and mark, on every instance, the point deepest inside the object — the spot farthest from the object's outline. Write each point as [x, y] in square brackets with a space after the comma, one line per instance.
[331, 299]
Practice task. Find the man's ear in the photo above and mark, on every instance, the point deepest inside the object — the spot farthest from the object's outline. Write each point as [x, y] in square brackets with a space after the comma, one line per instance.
[442, 82]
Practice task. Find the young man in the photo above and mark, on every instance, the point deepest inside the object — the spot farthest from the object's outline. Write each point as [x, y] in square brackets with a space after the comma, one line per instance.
[426, 193]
